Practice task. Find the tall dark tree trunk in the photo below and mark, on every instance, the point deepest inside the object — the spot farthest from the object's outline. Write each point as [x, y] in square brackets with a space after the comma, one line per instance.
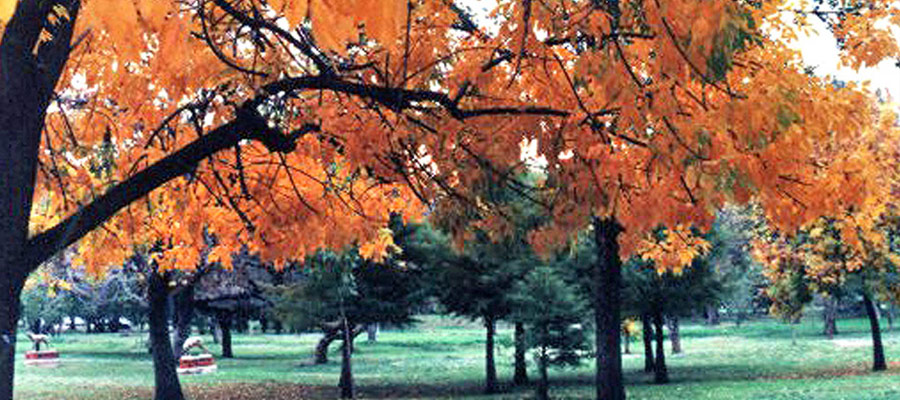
[263, 324]
[829, 315]
[520, 377]
[607, 309]
[878, 361]
[166, 378]
[346, 382]
[649, 363]
[27, 80]
[660, 373]
[9, 292]
[627, 340]
[674, 333]
[224, 320]
[543, 387]
[331, 334]
[28, 74]
[712, 315]
[183, 303]
[490, 369]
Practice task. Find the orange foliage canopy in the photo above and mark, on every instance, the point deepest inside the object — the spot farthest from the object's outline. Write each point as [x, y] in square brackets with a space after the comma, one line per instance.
[316, 118]
[851, 240]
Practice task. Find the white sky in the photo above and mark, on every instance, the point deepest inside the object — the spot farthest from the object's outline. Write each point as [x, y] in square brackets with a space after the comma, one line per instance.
[820, 51]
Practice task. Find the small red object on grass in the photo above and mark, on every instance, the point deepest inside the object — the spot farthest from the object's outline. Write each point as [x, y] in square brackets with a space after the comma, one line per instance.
[45, 358]
[201, 364]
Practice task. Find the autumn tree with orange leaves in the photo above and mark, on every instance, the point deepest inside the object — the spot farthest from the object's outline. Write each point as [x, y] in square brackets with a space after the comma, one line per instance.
[288, 125]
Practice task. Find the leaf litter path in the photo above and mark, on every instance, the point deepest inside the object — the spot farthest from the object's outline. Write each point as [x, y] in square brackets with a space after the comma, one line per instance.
[288, 391]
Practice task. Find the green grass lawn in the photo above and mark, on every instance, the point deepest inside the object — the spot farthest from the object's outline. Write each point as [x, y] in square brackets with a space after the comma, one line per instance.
[443, 358]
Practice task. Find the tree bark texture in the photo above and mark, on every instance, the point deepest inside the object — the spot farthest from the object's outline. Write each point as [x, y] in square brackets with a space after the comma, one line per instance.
[346, 381]
[224, 321]
[520, 376]
[607, 309]
[27, 80]
[661, 373]
[649, 362]
[829, 316]
[330, 335]
[165, 376]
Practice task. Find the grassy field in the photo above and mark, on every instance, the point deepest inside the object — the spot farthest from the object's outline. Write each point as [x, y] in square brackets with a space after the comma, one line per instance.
[443, 358]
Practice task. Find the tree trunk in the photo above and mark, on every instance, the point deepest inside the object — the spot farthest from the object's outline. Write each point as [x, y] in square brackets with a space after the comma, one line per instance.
[321, 356]
[346, 382]
[829, 315]
[649, 363]
[9, 293]
[166, 378]
[661, 373]
[490, 377]
[543, 387]
[627, 340]
[278, 327]
[878, 363]
[712, 315]
[607, 309]
[29, 71]
[520, 376]
[674, 333]
[372, 332]
[183, 315]
[224, 320]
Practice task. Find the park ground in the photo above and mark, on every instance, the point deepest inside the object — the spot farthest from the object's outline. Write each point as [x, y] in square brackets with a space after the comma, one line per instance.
[442, 358]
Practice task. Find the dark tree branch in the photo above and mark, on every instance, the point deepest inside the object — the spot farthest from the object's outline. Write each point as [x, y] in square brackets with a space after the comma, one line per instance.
[247, 125]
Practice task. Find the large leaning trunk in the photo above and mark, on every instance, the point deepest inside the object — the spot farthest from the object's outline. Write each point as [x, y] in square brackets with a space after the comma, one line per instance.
[490, 369]
[829, 315]
[649, 363]
[166, 378]
[878, 362]
[661, 373]
[607, 309]
[521, 369]
[674, 333]
[331, 334]
[29, 70]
